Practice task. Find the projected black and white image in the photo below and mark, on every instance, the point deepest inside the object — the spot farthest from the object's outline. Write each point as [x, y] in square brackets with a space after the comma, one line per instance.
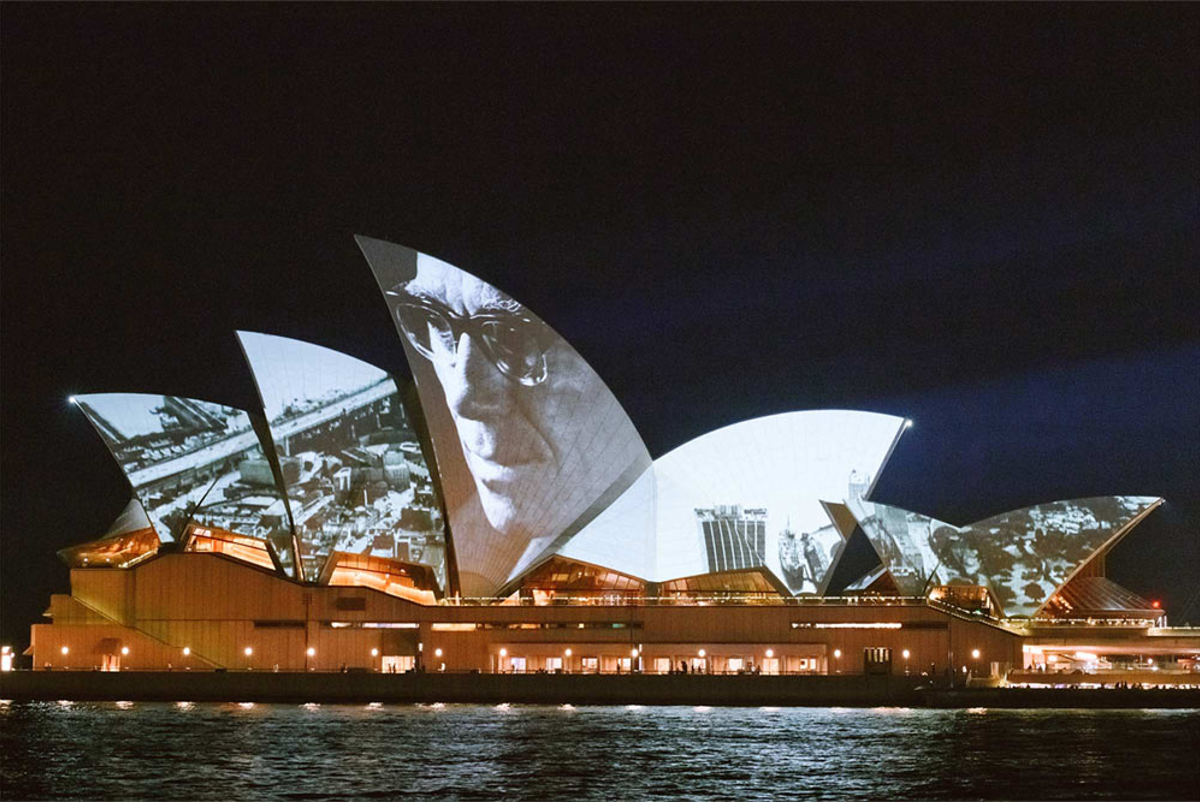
[750, 495]
[1021, 556]
[353, 469]
[530, 442]
[191, 460]
[735, 538]
[806, 557]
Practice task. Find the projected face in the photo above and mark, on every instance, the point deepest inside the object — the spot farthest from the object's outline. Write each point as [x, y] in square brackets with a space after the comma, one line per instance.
[504, 375]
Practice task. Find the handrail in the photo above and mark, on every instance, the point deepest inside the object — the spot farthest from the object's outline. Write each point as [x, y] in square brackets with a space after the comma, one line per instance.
[691, 600]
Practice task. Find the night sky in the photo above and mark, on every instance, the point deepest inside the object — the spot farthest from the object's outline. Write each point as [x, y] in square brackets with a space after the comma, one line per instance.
[986, 218]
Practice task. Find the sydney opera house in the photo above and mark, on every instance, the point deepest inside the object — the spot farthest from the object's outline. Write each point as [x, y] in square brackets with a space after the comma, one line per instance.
[500, 513]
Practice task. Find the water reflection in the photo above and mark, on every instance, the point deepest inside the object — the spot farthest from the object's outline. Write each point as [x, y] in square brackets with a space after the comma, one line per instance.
[341, 751]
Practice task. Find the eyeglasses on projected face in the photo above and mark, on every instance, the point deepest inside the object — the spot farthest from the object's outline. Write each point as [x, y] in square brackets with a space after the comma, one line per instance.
[516, 344]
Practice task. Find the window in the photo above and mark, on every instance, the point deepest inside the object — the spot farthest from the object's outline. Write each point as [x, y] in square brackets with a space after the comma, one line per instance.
[662, 665]
[801, 665]
[591, 665]
[396, 663]
[516, 665]
[626, 664]
[877, 660]
[770, 665]
[554, 664]
[734, 665]
[699, 665]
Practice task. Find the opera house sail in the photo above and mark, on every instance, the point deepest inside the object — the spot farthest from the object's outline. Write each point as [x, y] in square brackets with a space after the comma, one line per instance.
[1022, 557]
[189, 460]
[353, 471]
[530, 443]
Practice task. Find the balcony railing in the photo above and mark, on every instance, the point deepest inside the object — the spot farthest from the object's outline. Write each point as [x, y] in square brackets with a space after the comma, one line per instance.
[691, 600]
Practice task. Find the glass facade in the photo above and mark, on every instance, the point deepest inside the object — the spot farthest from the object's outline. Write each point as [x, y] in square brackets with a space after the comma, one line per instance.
[128, 541]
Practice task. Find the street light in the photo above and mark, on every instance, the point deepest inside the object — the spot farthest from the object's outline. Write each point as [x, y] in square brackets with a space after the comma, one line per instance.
[124, 650]
[187, 650]
[837, 655]
[906, 654]
[974, 654]
[770, 653]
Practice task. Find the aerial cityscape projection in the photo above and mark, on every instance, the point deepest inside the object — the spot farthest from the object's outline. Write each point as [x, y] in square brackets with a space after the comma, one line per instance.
[191, 460]
[1022, 556]
[355, 478]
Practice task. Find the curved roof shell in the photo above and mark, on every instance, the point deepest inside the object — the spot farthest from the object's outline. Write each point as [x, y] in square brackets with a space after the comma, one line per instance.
[353, 470]
[193, 460]
[530, 444]
[1023, 556]
[751, 495]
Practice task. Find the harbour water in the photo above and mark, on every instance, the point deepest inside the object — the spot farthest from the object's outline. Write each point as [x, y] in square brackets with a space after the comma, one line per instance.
[128, 750]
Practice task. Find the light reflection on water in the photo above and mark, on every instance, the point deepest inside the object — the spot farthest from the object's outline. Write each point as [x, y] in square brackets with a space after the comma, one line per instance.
[149, 750]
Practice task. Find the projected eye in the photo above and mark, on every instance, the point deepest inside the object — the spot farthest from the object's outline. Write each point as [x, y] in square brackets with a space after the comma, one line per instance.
[516, 350]
[428, 331]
